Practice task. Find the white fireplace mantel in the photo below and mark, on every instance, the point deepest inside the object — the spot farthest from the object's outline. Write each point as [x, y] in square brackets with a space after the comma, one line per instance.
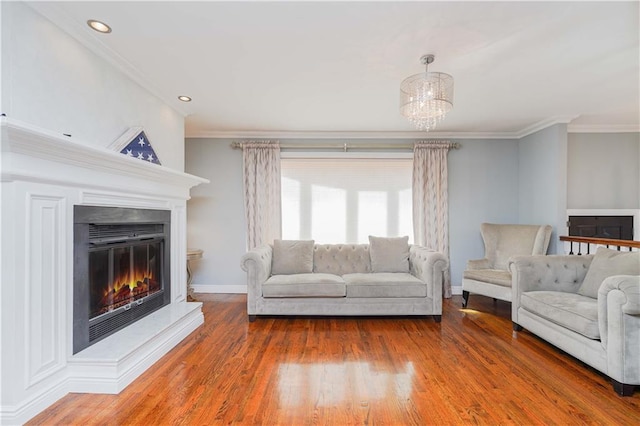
[37, 155]
[43, 176]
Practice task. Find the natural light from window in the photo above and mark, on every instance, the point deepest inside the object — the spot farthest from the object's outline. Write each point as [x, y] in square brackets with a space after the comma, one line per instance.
[344, 200]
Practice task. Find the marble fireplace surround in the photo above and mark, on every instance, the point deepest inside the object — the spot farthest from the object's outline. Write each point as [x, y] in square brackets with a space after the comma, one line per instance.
[43, 176]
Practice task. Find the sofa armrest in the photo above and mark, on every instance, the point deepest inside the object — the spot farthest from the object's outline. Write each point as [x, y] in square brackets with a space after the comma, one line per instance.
[476, 264]
[554, 273]
[429, 266]
[619, 323]
[257, 264]
[629, 285]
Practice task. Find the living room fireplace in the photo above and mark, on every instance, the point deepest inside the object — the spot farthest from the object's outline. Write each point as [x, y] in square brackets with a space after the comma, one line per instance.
[121, 269]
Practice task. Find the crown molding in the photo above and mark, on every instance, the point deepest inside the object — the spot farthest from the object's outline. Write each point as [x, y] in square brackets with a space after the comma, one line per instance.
[543, 124]
[603, 128]
[284, 134]
[52, 11]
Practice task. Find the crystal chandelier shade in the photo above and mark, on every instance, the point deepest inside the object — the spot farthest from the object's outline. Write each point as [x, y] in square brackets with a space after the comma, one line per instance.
[426, 98]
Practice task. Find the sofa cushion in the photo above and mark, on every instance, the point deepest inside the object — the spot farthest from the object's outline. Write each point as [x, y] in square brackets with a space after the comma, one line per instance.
[389, 254]
[493, 276]
[292, 257]
[384, 284]
[304, 285]
[570, 310]
[340, 259]
[606, 263]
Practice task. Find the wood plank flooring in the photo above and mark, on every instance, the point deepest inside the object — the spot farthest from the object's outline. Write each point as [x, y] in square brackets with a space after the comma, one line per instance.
[469, 369]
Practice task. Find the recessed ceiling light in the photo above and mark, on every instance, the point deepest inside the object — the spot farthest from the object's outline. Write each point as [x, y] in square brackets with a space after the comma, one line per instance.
[100, 27]
[184, 98]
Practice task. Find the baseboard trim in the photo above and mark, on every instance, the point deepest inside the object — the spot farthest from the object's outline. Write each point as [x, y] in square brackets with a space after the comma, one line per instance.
[222, 289]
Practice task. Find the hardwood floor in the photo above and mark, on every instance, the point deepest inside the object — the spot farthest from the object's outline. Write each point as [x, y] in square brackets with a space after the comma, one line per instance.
[470, 368]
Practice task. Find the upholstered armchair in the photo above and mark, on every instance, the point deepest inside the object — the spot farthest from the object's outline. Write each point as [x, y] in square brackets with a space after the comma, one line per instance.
[490, 276]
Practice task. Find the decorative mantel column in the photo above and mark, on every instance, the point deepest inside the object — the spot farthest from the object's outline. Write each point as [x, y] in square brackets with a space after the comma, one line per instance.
[43, 176]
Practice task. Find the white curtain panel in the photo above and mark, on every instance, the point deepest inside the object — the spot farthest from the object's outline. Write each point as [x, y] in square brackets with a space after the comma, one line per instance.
[261, 166]
[430, 200]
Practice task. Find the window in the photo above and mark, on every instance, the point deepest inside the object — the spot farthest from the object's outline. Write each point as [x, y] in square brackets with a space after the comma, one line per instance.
[344, 200]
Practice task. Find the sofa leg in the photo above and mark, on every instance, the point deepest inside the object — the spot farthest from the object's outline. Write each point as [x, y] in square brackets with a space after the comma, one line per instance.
[623, 389]
[252, 318]
[516, 327]
[465, 298]
[437, 318]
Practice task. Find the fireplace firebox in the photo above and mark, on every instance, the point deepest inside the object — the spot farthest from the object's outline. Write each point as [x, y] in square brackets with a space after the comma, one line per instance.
[121, 269]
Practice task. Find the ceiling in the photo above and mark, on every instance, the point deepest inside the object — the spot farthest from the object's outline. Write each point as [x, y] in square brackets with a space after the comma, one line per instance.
[334, 68]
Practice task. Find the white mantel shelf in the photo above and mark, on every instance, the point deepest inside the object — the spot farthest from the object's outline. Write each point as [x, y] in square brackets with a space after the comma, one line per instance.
[26, 149]
[44, 175]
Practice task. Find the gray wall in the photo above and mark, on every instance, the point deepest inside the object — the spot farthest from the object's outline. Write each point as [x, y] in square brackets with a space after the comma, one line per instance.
[604, 171]
[483, 186]
[542, 195]
[215, 215]
[502, 181]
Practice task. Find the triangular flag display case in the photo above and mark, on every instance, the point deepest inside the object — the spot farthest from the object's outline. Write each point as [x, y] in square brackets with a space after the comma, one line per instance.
[135, 143]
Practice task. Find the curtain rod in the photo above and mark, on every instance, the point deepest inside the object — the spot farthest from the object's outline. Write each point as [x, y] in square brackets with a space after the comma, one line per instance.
[345, 147]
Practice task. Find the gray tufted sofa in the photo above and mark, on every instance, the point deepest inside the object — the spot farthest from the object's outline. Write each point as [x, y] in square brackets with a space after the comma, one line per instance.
[599, 325]
[342, 284]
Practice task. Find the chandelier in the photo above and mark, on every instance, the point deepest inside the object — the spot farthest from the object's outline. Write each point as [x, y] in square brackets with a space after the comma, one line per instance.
[427, 97]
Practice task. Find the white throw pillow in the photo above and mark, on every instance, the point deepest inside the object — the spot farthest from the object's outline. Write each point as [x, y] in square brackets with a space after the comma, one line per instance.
[292, 257]
[606, 263]
[389, 254]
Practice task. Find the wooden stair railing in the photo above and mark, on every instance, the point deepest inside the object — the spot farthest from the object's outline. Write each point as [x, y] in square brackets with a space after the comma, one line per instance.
[607, 242]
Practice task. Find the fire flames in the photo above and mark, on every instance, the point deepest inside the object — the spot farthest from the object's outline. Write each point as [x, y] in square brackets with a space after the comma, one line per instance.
[127, 289]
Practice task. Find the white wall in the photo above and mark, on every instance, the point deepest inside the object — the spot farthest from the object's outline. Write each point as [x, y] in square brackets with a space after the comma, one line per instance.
[51, 81]
[542, 169]
[604, 171]
[483, 187]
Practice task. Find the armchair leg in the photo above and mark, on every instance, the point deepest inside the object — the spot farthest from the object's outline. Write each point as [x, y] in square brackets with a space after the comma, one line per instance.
[623, 389]
[516, 327]
[252, 318]
[437, 318]
[465, 298]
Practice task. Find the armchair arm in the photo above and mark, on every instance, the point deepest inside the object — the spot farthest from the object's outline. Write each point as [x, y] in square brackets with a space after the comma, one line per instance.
[429, 266]
[479, 264]
[257, 264]
[619, 322]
